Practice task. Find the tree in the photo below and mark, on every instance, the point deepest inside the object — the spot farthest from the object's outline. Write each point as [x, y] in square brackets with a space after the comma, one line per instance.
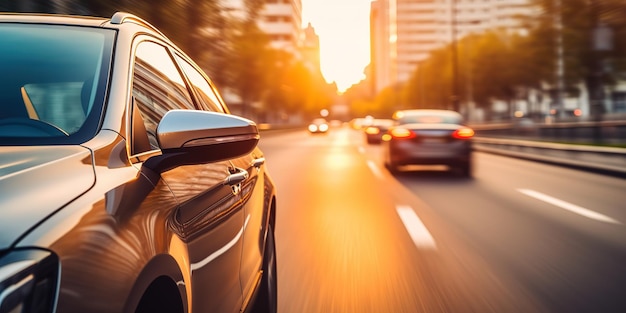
[389, 100]
[580, 19]
[205, 29]
[430, 86]
[249, 52]
[289, 84]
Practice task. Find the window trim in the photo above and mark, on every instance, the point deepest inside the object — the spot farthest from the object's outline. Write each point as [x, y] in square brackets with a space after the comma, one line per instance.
[138, 157]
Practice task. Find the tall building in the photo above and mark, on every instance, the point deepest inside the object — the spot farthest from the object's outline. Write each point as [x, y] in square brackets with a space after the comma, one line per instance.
[311, 49]
[411, 29]
[282, 21]
[381, 71]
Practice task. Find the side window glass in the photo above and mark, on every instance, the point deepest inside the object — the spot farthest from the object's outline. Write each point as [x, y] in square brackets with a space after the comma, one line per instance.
[208, 98]
[158, 87]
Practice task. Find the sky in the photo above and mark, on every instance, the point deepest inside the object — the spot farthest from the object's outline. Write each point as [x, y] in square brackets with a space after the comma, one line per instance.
[343, 28]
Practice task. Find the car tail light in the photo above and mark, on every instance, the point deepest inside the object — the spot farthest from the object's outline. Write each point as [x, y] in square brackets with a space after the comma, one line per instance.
[402, 133]
[372, 130]
[463, 133]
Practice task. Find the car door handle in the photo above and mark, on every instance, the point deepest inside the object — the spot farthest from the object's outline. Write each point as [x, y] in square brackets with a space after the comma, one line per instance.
[258, 162]
[237, 177]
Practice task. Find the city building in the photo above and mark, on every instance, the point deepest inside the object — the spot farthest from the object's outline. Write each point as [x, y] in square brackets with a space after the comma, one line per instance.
[381, 71]
[406, 31]
[282, 21]
[310, 49]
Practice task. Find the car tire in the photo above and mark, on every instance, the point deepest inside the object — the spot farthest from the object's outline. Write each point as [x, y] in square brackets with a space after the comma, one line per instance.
[392, 168]
[161, 296]
[267, 299]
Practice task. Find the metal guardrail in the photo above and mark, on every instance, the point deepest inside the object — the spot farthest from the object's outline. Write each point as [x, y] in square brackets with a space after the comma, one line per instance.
[607, 160]
[607, 130]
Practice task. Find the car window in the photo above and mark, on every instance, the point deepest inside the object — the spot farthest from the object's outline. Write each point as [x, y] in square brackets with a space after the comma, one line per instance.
[57, 103]
[158, 87]
[207, 95]
[429, 119]
[53, 78]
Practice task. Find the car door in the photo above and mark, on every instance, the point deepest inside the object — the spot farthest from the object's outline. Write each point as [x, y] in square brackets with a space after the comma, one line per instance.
[250, 191]
[210, 217]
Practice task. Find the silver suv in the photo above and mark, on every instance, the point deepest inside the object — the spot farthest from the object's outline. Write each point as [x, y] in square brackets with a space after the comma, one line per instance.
[125, 183]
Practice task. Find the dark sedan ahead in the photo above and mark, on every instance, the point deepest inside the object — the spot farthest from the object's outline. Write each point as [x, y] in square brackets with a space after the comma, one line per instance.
[429, 137]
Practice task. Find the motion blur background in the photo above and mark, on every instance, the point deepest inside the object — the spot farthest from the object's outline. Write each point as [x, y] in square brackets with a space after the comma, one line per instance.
[536, 79]
[522, 61]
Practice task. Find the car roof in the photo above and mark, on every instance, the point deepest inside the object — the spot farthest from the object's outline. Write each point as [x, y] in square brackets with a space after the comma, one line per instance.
[428, 111]
[58, 19]
[382, 121]
[115, 22]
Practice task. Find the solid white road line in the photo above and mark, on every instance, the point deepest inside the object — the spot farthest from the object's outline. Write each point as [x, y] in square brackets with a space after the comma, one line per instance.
[569, 207]
[418, 232]
[375, 169]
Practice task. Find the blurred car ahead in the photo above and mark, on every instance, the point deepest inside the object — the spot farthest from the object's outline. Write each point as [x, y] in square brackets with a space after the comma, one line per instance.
[377, 128]
[429, 137]
[336, 123]
[318, 126]
[358, 123]
[125, 184]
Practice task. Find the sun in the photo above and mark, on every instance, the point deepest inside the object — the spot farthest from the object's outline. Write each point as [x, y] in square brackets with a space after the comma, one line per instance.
[343, 29]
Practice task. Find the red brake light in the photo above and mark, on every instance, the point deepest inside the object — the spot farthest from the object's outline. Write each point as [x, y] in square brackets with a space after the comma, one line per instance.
[402, 133]
[463, 133]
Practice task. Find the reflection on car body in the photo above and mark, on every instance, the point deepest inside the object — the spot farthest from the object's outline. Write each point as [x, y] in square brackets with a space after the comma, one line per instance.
[126, 185]
[428, 137]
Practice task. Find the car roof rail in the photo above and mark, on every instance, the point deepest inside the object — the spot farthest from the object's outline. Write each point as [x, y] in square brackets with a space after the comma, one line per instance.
[121, 17]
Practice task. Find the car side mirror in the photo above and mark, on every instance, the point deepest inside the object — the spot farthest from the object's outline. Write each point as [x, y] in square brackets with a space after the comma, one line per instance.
[188, 137]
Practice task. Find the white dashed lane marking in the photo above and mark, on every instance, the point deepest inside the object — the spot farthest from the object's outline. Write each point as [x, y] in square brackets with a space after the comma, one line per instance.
[375, 169]
[569, 207]
[417, 230]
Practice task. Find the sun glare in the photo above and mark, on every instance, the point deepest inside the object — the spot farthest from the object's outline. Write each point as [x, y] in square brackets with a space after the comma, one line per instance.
[343, 28]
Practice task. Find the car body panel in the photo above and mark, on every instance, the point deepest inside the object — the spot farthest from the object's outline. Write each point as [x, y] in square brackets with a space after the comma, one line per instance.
[119, 222]
[252, 191]
[28, 171]
[209, 221]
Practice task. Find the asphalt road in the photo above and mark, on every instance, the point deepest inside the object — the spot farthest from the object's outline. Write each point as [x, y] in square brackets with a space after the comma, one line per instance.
[517, 237]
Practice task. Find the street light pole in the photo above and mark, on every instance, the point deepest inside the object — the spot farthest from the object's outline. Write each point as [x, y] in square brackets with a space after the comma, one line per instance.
[455, 66]
[469, 84]
[602, 43]
[560, 66]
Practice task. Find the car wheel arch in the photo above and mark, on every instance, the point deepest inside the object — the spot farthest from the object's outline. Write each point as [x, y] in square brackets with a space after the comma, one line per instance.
[160, 279]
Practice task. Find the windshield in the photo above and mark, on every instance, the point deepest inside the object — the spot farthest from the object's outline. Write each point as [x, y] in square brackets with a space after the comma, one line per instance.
[53, 82]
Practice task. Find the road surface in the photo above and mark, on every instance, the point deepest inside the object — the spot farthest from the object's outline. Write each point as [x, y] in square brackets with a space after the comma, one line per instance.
[517, 237]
